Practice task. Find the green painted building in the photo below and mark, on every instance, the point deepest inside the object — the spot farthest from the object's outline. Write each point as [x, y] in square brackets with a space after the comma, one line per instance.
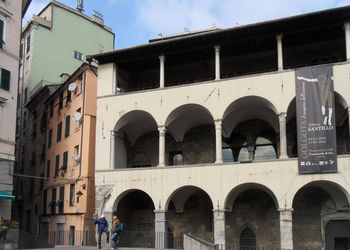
[57, 40]
[54, 42]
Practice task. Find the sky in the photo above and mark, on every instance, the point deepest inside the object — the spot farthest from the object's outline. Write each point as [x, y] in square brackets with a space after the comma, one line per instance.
[134, 22]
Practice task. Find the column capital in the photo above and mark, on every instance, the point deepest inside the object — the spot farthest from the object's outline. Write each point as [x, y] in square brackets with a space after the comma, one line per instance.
[216, 210]
[281, 210]
[282, 116]
[346, 26]
[113, 132]
[160, 211]
[218, 122]
[217, 48]
[348, 110]
[279, 36]
[162, 58]
[162, 129]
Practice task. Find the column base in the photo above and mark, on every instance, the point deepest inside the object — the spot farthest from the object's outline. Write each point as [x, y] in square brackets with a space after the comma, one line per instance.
[283, 157]
[219, 162]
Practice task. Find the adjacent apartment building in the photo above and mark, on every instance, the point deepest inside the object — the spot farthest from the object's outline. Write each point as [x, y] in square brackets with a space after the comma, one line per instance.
[11, 13]
[54, 44]
[200, 132]
[69, 190]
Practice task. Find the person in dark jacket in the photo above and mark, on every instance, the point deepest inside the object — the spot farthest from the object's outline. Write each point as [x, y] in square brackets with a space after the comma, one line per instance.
[102, 227]
[116, 229]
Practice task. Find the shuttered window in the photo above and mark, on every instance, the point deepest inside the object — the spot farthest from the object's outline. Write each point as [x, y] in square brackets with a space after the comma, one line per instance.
[67, 128]
[1, 34]
[5, 77]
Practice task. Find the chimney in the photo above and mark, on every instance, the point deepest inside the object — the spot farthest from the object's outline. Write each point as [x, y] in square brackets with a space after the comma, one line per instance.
[97, 17]
[80, 6]
[64, 77]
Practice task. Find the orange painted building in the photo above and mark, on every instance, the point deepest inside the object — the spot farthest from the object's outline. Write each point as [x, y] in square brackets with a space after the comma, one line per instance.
[69, 194]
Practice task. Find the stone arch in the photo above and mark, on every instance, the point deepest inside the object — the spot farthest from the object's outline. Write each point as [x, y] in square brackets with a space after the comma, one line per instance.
[314, 205]
[190, 209]
[337, 192]
[186, 117]
[249, 108]
[125, 193]
[135, 131]
[135, 123]
[235, 192]
[185, 192]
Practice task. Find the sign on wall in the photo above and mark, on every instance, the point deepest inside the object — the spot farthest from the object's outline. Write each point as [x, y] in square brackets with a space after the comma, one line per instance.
[317, 152]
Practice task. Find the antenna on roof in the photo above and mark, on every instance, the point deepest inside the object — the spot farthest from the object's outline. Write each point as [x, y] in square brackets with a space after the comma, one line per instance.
[80, 5]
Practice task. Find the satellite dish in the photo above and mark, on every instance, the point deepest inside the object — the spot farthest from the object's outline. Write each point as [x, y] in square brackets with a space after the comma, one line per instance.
[76, 157]
[72, 86]
[77, 116]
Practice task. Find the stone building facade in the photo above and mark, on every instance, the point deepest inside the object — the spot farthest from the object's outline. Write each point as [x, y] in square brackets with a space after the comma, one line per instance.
[197, 133]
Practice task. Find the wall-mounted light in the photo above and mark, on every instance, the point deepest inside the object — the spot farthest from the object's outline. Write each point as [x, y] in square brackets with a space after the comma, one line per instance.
[79, 193]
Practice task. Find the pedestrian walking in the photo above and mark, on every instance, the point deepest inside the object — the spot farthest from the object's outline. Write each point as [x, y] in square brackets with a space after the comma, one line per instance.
[116, 229]
[102, 227]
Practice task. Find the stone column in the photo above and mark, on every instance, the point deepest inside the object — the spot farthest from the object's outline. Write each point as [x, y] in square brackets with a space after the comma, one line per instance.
[218, 138]
[251, 150]
[283, 136]
[161, 78]
[279, 51]
[162, 131]
[286, 228]
[219, 228]
[347, 39]
[112, 165]
[217, 62]
[160, 227]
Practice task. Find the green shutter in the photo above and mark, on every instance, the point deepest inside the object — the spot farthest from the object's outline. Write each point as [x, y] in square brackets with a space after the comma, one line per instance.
[5, 79]
[67, 128]
[1, 34]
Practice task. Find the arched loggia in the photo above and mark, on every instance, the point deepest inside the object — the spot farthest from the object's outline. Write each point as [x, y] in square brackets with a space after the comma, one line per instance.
[190, 136]
[135, 209]
[135, 141]
[250, 126]
[315, 206]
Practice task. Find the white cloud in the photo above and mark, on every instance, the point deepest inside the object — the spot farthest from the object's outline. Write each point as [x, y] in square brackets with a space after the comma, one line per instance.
[34, 8]
[172, 16]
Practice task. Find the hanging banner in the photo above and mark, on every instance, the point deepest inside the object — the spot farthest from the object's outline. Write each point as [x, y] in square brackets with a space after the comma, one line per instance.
[317, 147]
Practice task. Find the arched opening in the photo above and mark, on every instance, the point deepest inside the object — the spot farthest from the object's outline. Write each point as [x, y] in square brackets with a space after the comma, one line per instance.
[190, 136]
[135, 141]
[342, 127]
[247, 239]
[135, 210]
[315, 205]
[190, 209]
[250, 128]
[251, 208]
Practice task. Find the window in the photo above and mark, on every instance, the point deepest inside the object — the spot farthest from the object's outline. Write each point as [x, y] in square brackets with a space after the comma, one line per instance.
[33, 158]
[25, 94]
[51, 109]
[65, 161]
[34, 130]
[67, 128]
[247, 239]
[60, 202]
[5, 78]
[69, 97]
[48, 166]
[52, 204]
[76, 154]
[2, 42]
[44, 201]
[60, 103]
[49, 144]
[78, 55]
[57, 164]
[72, 195]
[176, 158]
[28, 44]
[59, 131]
[24, 120]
